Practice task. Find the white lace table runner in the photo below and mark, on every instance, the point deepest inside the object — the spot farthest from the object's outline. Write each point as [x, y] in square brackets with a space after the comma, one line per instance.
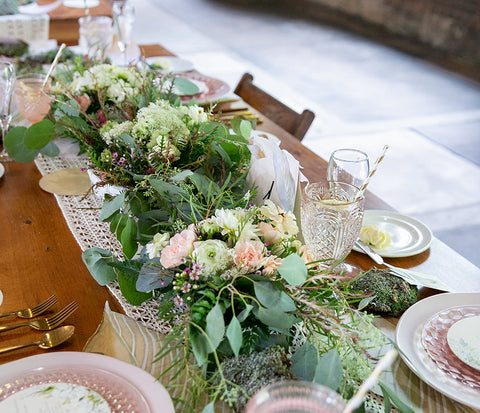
[81, 214]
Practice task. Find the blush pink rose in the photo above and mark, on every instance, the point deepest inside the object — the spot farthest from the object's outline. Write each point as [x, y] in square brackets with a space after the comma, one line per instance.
[181, 245]
[268, 233]
[305, 256]
[271, 264]
[84, 102]
[248, 254]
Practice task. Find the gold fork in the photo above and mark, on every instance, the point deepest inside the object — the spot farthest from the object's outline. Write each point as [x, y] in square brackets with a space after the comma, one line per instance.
[34, 311]
[48, 340]
[45, 323]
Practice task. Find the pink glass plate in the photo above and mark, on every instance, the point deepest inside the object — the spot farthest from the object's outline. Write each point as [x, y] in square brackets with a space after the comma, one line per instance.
[434, 340]
[215, 88]
[125, 387]
[120, 395]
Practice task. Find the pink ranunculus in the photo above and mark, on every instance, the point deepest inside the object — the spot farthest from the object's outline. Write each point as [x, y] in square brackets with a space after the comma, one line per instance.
[181, 245]
[84, 102]
[271, 264]
[249, 254]
[268, 233]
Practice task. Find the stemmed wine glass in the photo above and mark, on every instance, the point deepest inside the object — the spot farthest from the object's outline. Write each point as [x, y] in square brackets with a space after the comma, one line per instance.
[123, 14]
[350, 166]
[7, 84]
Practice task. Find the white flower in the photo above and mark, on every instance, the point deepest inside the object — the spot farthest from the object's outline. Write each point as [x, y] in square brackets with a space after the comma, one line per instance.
[282, 221]
[227, 220]
[214, 255]
[155, 247]
[197, 114]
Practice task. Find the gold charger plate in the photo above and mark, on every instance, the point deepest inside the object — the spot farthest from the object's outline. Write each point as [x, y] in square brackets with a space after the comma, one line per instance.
[71, 181]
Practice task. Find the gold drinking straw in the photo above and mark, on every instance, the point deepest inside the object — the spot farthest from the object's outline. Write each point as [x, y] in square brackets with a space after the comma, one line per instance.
[54, 63]
[372, 172]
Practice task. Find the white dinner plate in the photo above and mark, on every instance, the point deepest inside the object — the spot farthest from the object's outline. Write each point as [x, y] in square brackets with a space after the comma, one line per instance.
[175, 64]
[123, 386]
[408, 235]
[408, 336]
[2, 170]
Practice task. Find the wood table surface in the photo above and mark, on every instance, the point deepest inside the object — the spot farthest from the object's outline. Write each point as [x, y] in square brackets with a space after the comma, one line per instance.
[40, 257]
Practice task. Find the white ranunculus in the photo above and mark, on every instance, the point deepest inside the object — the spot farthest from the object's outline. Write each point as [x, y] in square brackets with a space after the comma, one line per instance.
[214, 256]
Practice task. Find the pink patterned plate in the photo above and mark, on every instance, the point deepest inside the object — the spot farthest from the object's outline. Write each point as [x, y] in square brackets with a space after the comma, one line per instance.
[124, 387]
[212, 89]
[435, 343]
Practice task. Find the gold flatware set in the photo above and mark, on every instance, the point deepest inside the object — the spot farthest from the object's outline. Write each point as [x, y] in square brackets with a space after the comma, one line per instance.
[226, 113]
[56, 334]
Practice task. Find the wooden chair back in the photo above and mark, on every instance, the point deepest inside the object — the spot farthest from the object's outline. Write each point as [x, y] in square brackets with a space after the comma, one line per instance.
[295, 123]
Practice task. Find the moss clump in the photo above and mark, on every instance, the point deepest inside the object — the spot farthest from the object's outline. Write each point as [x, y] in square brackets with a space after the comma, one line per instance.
[253, 371]
[392, 295]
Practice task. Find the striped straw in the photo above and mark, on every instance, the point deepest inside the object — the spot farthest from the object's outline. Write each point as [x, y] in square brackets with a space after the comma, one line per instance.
[54, 63]
[372, 172]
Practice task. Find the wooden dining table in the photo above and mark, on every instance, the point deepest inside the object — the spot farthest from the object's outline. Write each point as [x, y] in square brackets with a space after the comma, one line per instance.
[39, 256]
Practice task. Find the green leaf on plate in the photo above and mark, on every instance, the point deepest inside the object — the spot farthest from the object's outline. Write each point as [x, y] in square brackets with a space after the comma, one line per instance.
[186, 87]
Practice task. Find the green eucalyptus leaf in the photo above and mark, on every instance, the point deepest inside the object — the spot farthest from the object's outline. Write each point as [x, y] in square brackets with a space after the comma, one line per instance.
[112, 206]
[209, 408]
[293, 270]
[127, 140]
[242, 127]
[97, 262]
[50, 150]
[128, 238]
[271, 297]
[215, 328]
[199, 345]
[274, 318]
[329, 370]
[70, 108]
[128, 288]
[39, 134]
[173, 192]
[245, 313]
[234, 335]
[14, 145]
[185, 86]
[204, 184]
[181, 176]
[304, 362]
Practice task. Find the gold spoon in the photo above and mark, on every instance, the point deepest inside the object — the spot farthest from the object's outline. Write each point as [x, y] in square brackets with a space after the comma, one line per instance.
[51, 339]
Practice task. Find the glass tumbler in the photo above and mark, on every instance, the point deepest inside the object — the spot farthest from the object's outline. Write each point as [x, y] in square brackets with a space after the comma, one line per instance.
[348, 165]
[295, 397]
[96, 35]
[331, 220]
[31, 96]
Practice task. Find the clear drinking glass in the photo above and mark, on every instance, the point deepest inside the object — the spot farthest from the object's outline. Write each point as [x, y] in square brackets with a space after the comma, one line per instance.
[348, 165]
[31, 97]
[123, 14]
[331, 219]
[295, 397]
[96, 35]
[7, 86]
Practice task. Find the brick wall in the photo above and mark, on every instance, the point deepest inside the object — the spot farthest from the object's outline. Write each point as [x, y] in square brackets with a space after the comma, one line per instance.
[451, 28]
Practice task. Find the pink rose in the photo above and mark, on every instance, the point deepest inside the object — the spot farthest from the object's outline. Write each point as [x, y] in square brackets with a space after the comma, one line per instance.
[271, 264]
[268, 233]
[84, 102]
[248, 254]
[305, 256]
[181, 245]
